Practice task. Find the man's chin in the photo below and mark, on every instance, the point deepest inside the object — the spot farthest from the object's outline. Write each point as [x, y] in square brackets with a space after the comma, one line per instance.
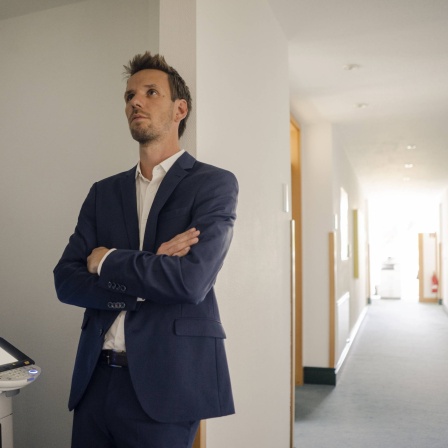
[142, 137]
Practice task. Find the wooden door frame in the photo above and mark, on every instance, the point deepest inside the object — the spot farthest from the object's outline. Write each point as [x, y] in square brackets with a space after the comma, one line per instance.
[296, 195]
[296, 269]
[199, 441]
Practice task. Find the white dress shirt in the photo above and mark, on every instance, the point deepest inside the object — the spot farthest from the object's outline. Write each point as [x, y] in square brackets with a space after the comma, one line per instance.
[146, 192]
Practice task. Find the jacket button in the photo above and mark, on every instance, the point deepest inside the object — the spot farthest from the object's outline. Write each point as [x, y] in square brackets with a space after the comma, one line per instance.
[123, 288]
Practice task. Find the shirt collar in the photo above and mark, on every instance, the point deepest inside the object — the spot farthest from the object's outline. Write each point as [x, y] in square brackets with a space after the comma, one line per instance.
[166, 164]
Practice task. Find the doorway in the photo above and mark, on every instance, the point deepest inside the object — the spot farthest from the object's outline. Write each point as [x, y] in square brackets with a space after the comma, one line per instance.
[402, 230]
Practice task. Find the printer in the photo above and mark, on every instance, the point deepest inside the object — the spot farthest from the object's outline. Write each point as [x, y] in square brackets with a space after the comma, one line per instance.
[17, 371]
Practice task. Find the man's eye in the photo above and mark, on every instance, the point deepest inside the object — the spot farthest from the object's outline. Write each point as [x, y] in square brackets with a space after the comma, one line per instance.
[129, 97]
[152, 92]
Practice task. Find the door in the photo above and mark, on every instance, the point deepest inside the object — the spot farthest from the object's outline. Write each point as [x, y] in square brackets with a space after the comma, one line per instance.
[428, 273]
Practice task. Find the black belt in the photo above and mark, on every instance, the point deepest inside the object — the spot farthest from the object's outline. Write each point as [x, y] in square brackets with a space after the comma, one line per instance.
[113, 359]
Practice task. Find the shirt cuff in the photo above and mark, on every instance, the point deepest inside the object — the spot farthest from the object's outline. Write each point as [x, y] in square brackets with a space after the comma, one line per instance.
[102, 260]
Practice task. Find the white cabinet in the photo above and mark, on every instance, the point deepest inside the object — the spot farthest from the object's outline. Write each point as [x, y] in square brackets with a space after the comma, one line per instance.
[390, 284]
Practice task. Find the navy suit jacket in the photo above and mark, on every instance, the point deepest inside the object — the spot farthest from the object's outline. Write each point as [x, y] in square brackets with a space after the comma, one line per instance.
[174, 339]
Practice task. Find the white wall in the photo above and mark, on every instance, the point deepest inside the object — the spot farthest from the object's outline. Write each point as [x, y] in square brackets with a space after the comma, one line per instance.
[63, 127]
[326, 169]
[243, 125]
[318, 221]
[344, 176]
[177, 42]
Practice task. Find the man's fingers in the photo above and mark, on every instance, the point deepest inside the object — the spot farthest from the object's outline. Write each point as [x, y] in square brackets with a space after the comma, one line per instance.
[185, 236]
[182, 252]
[174, 248]
[180, 245]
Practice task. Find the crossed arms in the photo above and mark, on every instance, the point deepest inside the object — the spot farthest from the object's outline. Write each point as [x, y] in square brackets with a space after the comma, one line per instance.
[179, 246]
[180, 271]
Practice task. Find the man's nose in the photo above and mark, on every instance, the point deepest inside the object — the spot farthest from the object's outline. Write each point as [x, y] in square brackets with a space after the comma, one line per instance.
[136, 101]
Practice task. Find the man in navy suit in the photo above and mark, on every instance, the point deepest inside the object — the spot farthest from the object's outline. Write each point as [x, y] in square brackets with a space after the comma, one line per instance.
[143, 260]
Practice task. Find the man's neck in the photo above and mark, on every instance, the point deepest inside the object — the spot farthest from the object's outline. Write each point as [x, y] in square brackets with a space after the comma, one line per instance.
[154, 154]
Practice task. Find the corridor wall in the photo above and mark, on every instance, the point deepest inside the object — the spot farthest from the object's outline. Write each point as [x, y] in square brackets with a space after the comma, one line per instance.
[326, 169]
[243, 125]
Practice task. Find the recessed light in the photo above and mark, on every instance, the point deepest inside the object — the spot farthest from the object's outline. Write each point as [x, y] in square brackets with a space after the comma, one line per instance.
[361, 105]
[408, 165]
[411, 147]
[350, 67]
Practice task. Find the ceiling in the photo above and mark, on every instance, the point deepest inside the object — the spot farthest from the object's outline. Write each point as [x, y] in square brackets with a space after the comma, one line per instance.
[398, 54]
[399, 49]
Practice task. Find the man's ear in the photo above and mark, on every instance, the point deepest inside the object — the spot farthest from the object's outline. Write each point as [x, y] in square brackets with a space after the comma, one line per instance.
[181, 110]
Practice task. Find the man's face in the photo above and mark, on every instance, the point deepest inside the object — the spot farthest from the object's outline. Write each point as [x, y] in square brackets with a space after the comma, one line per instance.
[149, 109]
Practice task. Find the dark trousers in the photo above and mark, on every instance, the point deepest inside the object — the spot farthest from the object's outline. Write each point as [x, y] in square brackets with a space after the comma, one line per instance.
[110, 416]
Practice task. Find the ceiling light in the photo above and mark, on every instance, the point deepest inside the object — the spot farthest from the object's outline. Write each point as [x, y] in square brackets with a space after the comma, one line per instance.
[361, 105]
[408, 165]
[350, 67]
[411, 147]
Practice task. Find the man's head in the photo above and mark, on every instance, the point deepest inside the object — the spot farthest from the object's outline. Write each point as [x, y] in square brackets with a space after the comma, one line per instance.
[178, 87]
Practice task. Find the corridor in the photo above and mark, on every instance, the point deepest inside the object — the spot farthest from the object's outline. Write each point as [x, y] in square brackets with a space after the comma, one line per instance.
[392, 391]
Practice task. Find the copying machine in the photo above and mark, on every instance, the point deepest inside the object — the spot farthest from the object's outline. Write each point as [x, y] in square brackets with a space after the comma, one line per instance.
[17, 370]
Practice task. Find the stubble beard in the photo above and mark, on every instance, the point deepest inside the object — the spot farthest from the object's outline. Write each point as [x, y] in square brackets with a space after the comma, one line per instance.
[144, 136]
[150, 133]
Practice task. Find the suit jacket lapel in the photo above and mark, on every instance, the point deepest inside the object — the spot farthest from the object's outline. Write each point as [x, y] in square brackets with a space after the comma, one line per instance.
[129, 201]
[176, 173]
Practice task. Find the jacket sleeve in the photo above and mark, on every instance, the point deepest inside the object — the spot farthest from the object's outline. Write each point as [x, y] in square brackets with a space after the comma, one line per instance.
[176, 280]
[74, 284]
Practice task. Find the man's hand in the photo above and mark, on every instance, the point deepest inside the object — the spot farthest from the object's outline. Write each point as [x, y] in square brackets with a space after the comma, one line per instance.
[93, 260]
[180, 245]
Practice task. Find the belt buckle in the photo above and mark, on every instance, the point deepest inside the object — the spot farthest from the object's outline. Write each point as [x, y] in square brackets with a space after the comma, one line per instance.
[109, 363]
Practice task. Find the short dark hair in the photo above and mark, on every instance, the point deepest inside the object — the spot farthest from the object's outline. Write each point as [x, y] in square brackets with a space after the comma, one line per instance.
[178, 87]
